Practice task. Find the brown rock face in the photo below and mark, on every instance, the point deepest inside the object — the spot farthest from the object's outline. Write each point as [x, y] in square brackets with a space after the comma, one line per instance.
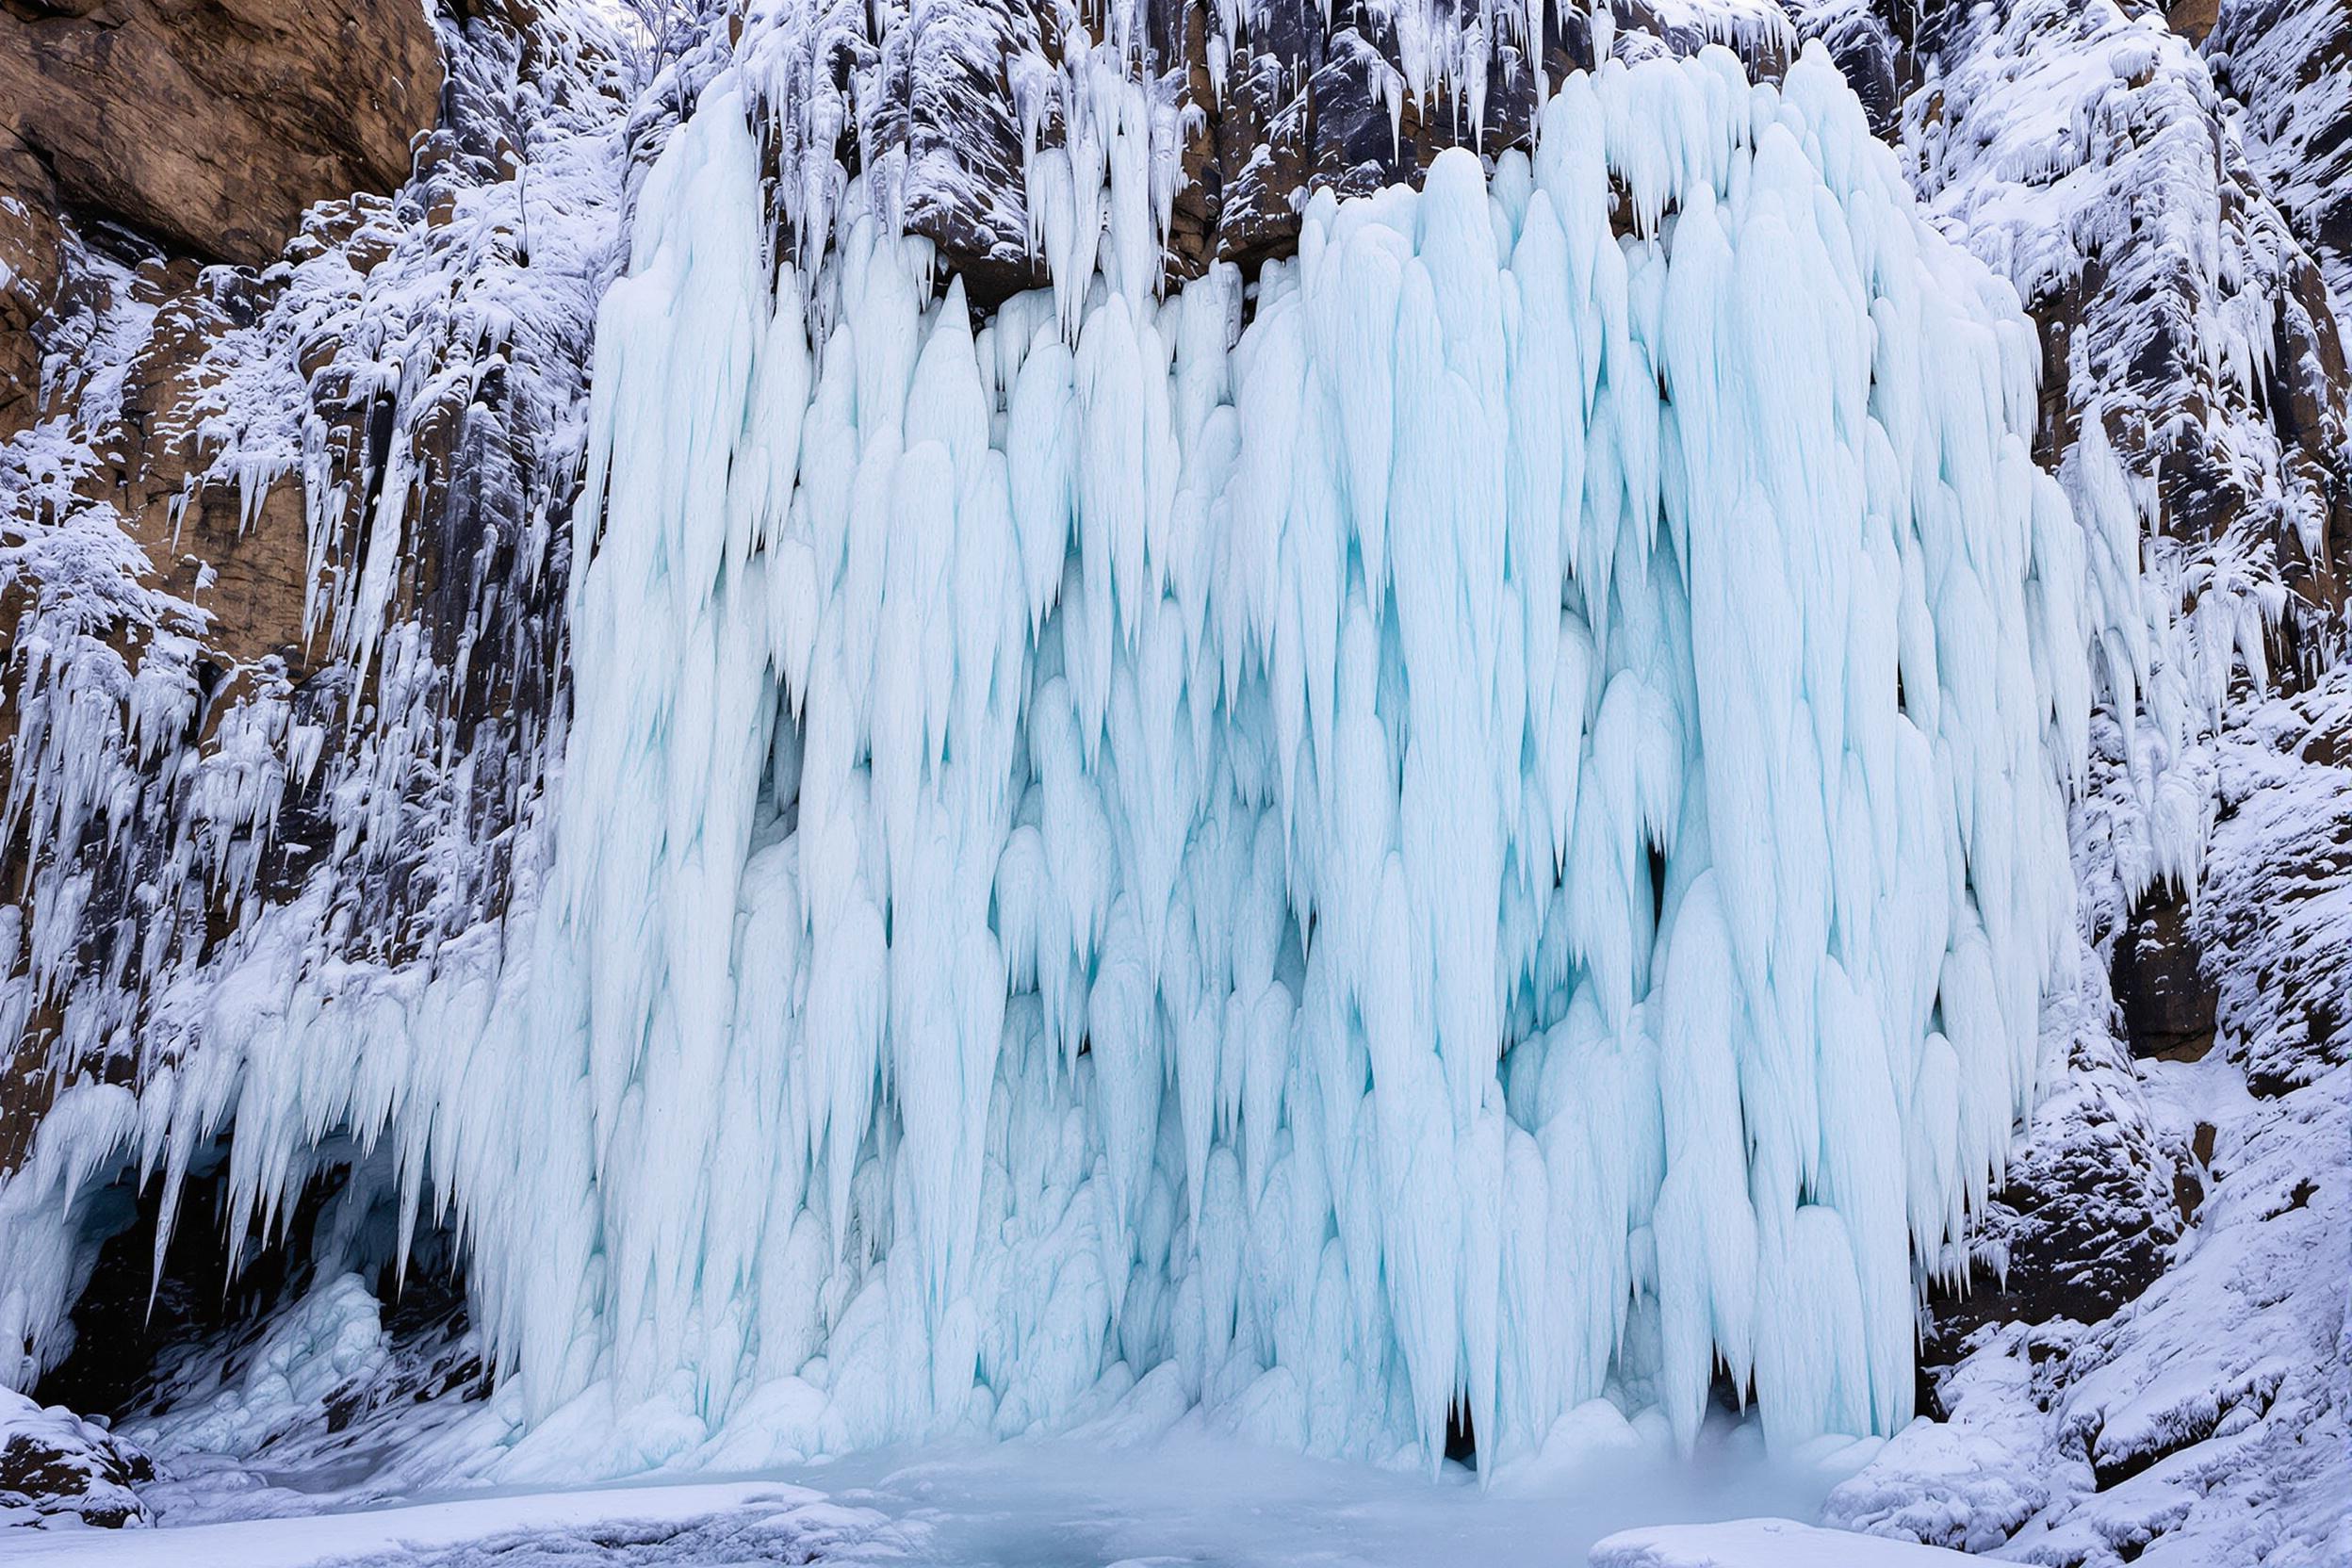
[32, 281]
[211, 124]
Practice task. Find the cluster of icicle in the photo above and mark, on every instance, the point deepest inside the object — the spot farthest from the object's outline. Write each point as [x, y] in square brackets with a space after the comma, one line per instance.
[1475, 825]
[914, 88]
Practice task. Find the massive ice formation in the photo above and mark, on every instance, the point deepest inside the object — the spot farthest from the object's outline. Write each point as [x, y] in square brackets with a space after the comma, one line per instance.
[1473, 822]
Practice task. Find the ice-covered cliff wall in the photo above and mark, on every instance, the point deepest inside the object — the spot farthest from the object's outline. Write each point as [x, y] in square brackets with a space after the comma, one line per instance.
[1477, 820]
[280, 577]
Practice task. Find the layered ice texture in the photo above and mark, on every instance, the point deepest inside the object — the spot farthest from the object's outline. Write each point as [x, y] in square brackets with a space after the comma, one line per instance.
[1474, 823]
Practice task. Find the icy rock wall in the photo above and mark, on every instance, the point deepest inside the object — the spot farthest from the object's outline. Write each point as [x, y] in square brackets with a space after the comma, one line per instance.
[1476, 823]
[282, 567]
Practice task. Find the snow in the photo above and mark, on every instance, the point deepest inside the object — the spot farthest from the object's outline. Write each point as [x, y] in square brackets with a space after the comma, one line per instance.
[54, 1465]
[2197, 1425]
[742, 1521]
[1759, 1544]
[1191, 1496]
[2291, 67]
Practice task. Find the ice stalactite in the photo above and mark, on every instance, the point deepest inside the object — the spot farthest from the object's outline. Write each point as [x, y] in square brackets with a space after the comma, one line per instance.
[1474, 823]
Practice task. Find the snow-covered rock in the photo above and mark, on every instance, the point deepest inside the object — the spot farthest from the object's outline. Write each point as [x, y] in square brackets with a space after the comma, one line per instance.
[54, 1463]
[2205, 1419]
[2289, 64]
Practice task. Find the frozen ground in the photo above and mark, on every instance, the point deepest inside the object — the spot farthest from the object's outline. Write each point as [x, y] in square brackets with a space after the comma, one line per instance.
[1760, 1544]
[731, 1523]
[1066, 1505]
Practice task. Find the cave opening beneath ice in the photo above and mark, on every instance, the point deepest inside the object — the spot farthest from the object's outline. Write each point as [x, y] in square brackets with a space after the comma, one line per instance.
[1373, 855]
[187, 1293]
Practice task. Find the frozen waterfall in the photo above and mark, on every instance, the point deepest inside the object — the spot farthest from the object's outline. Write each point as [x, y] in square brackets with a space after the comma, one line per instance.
[1472, 823]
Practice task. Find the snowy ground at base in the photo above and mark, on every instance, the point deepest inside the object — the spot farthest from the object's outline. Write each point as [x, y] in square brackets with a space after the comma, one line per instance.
[1187, 1498]
[1202, 1500]
[1760, 1544]
[707, 1524]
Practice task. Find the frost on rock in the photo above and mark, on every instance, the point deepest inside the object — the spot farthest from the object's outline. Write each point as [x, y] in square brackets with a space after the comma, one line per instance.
[2291, 66]
[2088, 1211]
[981, 124]
[2196, 367]
[1476, 823]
